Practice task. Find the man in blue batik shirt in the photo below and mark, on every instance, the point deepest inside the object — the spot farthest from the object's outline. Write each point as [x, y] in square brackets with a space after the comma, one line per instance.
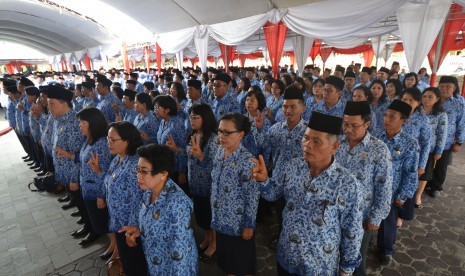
[455, 131]
[333, 103]
[107, 99]
[223, 103]
[322, 220]
[250, 74]
[369, 160]
[405, 157]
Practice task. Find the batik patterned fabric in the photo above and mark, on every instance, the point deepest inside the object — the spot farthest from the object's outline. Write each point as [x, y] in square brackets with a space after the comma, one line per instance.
[337, 110]
[106, 106]
[149, 124]
[439, 125]
[122, 192]
[175, 127]
[68, 137]
[92, 183]
[47, 122]
[379, 110]
[167, 235]
[370, 163]
[234, 196]
[199, 173]
[419, 128]
[322, 220]
[130, 115]
[274, 105]
[224, 105]
[456, 121]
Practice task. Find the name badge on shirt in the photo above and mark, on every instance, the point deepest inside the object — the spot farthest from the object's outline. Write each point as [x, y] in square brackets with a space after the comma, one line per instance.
[364, 155]
[398, 152]
[156, 215]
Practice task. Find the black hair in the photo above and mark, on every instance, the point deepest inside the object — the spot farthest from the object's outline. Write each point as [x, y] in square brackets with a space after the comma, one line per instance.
[437, 108]
[145, 98]
[160, 157]
[233, 83]
[167, 102]
[129, 133]
[246, 82]
[259, 96]
[380, 82]
[302, 82]
[366, 92]
[366, 117]
[322, 81]
[241, 122]
[119, 92]
[408, 75]
[149, 85]
[281, 86]
[205, 76]
[209, 124]
[288, 79]
[98, 125]
[415, 93]
[397, 85]
[180, 92]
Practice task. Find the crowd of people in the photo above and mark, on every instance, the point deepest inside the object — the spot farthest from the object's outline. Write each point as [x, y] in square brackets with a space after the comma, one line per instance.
[337, 156]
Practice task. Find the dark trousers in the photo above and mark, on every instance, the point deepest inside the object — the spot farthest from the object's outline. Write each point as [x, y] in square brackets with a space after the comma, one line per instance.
[282, 271]
[77, 196]
[40, 154]
[22, 140]
[32, 149]
[362, 269]
[49, 163]
[132, 258]
[440, 171]
[387, 233]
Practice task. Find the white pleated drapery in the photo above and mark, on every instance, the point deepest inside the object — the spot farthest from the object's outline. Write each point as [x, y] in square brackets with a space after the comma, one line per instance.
[302, 45]
[419, 25]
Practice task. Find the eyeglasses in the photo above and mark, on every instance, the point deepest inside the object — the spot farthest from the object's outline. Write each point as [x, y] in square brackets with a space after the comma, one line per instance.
[194, 117]
[111, 140]
[142, 172]
[218, 85]
[327, 90]
[226, 133]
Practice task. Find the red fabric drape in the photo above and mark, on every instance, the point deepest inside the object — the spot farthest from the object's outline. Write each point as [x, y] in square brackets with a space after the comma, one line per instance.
[87, 62]
[315, 49]
[227, 54]
[211, 59]
[368, 56]
[275, 36]
[124, 54]
[64, 67]
[398, 48]
[324, 54]
[452, 27]
[147, 58]
[158, 50]
[10, 69]
[352, 51]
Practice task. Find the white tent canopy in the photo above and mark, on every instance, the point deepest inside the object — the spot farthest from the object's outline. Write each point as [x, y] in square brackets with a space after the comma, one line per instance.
[69, 29]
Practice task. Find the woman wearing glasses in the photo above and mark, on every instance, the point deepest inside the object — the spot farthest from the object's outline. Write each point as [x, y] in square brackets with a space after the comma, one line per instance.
[275, 101]
[123, 194]
[234, 198]
[165, 217]
[173, 134]
[146, 122]
[201, 150]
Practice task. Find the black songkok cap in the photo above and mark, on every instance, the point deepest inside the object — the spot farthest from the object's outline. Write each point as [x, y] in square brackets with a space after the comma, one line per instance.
[130, 93]
[59, 93]
[134, 75]
[357, 108]
[292, 92]
[336, 82]
[10, 85]
[104, 80]
[88, 84]
[384, 69]
[43, 89]
[448, 79]
[26, 82]
[194, 83]
[340, 69]
[325, 123]
[367, 70]
[32, 91]
[223, 77]
[133, 82]
[264, 70]
[349, 74]
[358, 64]
[400, 106]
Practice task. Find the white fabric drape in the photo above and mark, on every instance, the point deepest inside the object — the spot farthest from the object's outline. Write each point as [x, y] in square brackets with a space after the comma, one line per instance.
[201, 45]
[266, 56]
[174, 42]
[94, 52]
[111, 50]
[236, 31]
[387, 51]
[180, 59]
[419, 25]
[379, 43]
[69, 57]
[302, 45]
[79, 55]
[346, 43]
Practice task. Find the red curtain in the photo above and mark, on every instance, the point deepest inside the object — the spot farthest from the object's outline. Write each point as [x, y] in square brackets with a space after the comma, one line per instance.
[324, 54]
[158, 50]
[398, 48]
[87, 62]
[368, 56]
[452, 27]
[352, 51]
[124, 54]
[10, 68]
[275, 36]
[242, 59]
[227, 54]
[315, 49]
[64, 67]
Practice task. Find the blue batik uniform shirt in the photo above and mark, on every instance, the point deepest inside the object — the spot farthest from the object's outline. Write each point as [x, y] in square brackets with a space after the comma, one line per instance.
[419, 128]
[439, 125]
[370, 163]
[456, 122]
[224, 105]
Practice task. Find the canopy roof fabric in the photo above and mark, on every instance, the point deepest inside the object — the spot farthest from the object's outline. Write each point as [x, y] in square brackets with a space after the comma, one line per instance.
[44, 28]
